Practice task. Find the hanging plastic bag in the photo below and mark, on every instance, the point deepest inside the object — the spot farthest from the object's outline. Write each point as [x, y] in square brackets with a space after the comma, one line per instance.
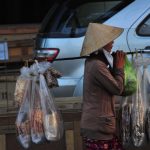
[130, 79]
[138, 114]
[36, 114]
[51, 76]
[52, 120]
[21, 84]
[148, 123]
[53, 123]
[23, 119]
[125, 121]
[145, 87]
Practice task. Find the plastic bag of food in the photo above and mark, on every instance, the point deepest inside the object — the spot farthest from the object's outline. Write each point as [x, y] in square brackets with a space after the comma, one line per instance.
[130, 79]
[51, 76]
[125, 121]
[36, 113]
[21, 84]
[145, 91]
[48, 121]
[138, 113]
[23, 119]
[53, 123]
[148, 123]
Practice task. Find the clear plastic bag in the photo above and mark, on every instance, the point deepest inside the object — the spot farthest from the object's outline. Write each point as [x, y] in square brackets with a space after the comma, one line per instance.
[126, 120]
[38, 118]
[36, 113]
[140, 110]
[138, 113]
[23, 119]
[148, 123]
[53, 123]
[21, 84]
[145, 87]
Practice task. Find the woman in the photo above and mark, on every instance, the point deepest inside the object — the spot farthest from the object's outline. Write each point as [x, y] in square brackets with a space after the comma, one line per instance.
[103, 79]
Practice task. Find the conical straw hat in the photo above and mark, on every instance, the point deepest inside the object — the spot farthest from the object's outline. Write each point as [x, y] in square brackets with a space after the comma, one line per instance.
[97, 36]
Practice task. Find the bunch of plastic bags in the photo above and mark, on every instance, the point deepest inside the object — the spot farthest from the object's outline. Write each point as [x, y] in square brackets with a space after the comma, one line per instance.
[135, 114]
[38, 118]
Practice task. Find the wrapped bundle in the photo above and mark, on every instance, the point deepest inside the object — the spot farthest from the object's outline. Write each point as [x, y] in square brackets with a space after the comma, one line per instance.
[138, 113]
[51, 76]
[130, 79]
[53, 123]
[23, 118]
[36, 114]
[21, 85]
[38, 118]
[126, 121]
[52, 120]
[145, 87]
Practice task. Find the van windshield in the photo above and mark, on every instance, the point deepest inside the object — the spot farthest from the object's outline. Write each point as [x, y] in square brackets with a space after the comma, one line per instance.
[70, 18]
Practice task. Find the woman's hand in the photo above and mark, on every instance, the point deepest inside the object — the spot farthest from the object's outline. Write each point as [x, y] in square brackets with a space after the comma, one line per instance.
[119, 59]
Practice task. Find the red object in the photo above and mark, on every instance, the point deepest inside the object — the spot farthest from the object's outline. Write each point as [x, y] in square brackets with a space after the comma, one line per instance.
[113, 144]
[47, 53]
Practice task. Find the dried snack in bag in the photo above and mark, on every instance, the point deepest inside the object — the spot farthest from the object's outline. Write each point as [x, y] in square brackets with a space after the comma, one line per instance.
[51, 81]
[19, 90]
[138, 114]
[145, 91]
[51, 76]
[55, 72]
[126, 121]
[23, 119]
[53, 123]
[21, 83]
[36, 114]
[148, 123]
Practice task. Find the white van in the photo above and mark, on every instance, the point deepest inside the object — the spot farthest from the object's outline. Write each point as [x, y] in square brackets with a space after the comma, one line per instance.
[63, 29]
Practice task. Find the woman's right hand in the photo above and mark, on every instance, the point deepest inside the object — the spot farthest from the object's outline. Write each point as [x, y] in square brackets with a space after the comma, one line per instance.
[119, 59]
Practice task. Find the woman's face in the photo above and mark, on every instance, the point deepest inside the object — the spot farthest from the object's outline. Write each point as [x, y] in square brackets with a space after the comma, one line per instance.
[109, 46]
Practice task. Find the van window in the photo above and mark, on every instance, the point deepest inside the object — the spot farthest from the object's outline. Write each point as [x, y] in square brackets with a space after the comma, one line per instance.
[144, 28]
[72, 20]
[76, 21]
